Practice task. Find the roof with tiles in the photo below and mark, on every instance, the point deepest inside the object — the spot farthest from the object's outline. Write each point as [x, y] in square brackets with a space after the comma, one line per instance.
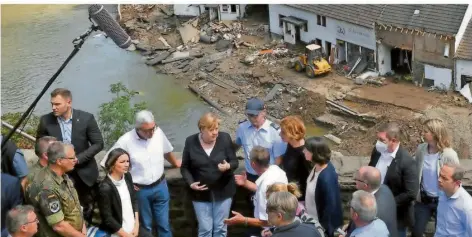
[433, 18]
[464, 51]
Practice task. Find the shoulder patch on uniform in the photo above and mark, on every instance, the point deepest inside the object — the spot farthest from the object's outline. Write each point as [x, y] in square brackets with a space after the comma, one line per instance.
[54, 206]
[242, 121]
[274, 125]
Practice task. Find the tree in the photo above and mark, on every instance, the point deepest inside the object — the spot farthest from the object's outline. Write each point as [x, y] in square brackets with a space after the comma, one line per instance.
[117, 116]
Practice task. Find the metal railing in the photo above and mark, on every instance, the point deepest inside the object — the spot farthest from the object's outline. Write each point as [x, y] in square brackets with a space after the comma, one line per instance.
[23, 134]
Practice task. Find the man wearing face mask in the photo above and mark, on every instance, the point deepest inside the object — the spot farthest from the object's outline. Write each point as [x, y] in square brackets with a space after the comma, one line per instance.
[398, 172]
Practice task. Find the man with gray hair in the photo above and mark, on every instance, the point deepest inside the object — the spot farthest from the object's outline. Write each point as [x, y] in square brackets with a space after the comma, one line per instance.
[148, 146]
[22, 221]
[40, 149]
[281, 211]
[455, 204]
[363, 209]
[367, 178]
[54, 197]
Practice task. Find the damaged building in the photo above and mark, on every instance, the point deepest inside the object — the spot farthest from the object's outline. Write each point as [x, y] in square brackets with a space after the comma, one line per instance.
[419, 40]
[463, 57]
[345, 32]
[222, 12]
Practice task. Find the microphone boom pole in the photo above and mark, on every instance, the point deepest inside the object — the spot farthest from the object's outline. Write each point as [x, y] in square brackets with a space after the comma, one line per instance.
[78, 42]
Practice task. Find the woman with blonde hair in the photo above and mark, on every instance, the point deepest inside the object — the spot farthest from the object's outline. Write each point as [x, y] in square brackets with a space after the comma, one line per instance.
[290, 187]
[208, 162]
[293, 162]
[430, 156]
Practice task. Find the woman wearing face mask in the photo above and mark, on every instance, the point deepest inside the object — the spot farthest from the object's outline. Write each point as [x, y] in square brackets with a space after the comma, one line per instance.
[208, 162]
[322, 198]
[430, 156]
[117, 201]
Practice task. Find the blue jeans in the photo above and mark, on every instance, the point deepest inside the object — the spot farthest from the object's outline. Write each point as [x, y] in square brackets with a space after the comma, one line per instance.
[154, 205]
[210, 216]
[423, 213]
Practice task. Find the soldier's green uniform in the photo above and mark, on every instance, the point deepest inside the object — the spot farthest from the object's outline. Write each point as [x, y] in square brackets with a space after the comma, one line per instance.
[33, 170]
[55, 199]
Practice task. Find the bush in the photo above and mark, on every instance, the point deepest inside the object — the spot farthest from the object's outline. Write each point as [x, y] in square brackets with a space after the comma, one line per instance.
[117, 116]
[30, 128]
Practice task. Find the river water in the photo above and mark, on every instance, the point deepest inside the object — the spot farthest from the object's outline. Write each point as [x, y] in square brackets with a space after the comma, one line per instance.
[35, 41]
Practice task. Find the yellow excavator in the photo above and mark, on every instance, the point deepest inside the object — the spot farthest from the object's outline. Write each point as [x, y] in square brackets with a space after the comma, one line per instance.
[312, 62]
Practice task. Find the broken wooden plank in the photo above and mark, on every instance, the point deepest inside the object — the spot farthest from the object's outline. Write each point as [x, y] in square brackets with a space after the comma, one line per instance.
[208, 100]
[270, 96]
[159, 58]
[164, 41]
[248, 45]
[333, 138]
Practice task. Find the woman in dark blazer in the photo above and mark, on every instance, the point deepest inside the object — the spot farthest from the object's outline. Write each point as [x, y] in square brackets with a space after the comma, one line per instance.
[208, 162]
[323, 196]
[117, 201]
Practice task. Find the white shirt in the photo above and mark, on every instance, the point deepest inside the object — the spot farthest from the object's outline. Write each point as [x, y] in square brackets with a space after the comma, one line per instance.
[272, 175]
[430, 174]
[454, 216]
[146, 156]
[126, 206]
[310, 203]
[384, 162]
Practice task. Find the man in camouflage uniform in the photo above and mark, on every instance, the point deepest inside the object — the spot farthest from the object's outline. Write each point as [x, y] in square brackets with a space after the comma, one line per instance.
[40, 149]
[54, 197]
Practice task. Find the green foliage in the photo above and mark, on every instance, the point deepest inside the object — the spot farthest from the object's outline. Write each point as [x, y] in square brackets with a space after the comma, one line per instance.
[30, 128]
[117, 116]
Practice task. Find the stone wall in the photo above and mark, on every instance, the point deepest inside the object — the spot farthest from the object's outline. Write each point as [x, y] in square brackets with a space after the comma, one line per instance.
[182, 215]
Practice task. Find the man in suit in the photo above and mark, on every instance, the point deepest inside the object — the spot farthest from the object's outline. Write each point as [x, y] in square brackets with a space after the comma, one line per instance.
[368, 179]
[80, 129]
[398, 171]
[11, 197]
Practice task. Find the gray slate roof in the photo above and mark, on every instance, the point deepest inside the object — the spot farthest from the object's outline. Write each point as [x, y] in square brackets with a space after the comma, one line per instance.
[360, 14]
[464, 51]
[433, 18]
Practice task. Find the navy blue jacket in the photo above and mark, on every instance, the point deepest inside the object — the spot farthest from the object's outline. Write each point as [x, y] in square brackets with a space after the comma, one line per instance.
[328, 200]
[11, 196]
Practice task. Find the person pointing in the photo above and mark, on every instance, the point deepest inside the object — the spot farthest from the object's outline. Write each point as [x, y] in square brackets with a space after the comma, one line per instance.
[208, 163]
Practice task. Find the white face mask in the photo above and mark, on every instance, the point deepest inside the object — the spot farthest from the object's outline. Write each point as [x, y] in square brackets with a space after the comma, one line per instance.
[380, 146]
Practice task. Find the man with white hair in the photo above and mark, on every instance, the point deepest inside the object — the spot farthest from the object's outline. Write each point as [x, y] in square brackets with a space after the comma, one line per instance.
[22, 221]
[363, 208]
[148, 146]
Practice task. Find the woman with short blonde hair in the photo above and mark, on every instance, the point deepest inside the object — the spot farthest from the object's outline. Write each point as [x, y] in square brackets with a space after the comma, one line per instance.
[430, 157]
[293, 162]
[208, 162]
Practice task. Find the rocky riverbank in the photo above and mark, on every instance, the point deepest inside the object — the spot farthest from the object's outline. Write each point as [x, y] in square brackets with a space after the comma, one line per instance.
[227, 62]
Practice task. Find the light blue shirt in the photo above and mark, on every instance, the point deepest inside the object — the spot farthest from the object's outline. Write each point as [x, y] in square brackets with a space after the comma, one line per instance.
[19, 163]
[66, 129]
[454, 216]
[376, 228]
[267, 136]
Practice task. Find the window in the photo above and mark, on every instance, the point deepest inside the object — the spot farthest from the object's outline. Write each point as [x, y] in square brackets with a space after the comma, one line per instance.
[233, 8]
[318, 42]
[224, 8]
[305, 27]
[281, 23]
[321, 20]
[288, 28]
[207, 8]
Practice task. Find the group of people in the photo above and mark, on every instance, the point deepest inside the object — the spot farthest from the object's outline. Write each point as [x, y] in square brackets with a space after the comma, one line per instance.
[289, 180]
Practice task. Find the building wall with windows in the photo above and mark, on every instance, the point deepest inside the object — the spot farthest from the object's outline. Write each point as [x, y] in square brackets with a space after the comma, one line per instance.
[350, 40]
[231, 12]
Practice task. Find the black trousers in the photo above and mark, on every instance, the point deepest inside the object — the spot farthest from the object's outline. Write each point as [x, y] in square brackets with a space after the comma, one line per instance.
[86, 195]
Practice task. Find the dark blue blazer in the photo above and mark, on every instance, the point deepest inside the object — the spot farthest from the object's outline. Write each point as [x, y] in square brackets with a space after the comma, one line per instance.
[328, 200]
[11, 196]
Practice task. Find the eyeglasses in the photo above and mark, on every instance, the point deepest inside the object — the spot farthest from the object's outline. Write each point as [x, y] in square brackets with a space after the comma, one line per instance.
[150, 130]
[33, 221]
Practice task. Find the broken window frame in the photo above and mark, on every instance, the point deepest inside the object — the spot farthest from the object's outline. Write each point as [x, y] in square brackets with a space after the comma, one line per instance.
[305, 27]
[281, 22]
[225, 8]
[288, 30]
[231, 8]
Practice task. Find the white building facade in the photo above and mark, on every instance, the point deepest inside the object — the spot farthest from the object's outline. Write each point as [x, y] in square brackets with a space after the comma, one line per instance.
[346, 40]
[222, 12]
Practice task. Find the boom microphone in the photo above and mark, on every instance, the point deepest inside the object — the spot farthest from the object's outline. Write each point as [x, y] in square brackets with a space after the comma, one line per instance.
[107, 24]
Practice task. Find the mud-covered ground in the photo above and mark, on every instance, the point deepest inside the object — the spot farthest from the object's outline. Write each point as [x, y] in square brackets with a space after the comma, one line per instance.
[239, 60]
